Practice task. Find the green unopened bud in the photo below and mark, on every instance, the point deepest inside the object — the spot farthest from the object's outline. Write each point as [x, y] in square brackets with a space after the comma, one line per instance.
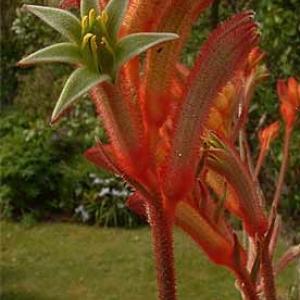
[92, 18]
[94, 48]
[84, 25]
[85, 40]
[101, 26]
[104, 17]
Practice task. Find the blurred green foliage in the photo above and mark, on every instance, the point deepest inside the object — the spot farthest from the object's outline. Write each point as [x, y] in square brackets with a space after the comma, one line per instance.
[43, 172]
[36, 161]
[45, 176]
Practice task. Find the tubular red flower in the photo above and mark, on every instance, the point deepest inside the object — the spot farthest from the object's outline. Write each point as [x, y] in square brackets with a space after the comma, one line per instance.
[268, 134]
[289, 95]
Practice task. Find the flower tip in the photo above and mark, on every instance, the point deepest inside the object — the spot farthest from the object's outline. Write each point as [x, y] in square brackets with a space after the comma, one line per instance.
[24, 7]
[174, 36]
[268, 134]
[55, 117]
[22, 63]
[19, 63]
[53, 120]
[288, 93]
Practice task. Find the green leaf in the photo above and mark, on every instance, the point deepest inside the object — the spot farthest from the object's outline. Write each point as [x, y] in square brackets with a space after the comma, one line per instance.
[115, 10]
[62, 21]
[87, 5]
[136, 43]
[62, 52]
[80, 82]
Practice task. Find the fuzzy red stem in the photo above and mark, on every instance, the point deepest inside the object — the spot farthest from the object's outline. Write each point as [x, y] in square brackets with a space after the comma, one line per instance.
[246, 285]
[283, 168]
[162, 240]
[268, 274]
[259, 163]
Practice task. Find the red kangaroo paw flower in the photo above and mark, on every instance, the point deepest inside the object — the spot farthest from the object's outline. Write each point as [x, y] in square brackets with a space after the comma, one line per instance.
[160, 67]
[136, 204]
[69, 4]
[144, 15]
[223, 159]
[268, 134]
[225, 51]
[124, 129]
[289, 95]
[101, 156]
[217, 183]
[218, 247]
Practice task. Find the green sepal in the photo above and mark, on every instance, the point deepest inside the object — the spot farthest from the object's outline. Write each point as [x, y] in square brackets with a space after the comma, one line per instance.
[115, 10]
[136, 43]
[87, 5]
[62, 52]
[80, 82]
[62, 21]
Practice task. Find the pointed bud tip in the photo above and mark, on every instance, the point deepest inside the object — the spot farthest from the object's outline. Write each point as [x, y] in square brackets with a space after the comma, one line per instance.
[104, 17]
[22, 63]
[24, 8]
[53, 120]
[55, 117]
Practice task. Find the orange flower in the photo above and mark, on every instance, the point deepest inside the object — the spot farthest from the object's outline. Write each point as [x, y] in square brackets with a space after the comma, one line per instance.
[289, 94]
[223, 115]
[253, 65]
[268, 134]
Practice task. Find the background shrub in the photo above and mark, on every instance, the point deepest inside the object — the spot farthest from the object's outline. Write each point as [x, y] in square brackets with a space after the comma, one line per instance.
[45, 176]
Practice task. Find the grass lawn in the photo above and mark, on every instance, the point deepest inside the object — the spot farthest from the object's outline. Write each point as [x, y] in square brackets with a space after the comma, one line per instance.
[66, 261]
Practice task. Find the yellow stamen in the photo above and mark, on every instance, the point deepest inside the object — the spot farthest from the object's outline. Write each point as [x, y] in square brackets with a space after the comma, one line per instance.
[102, 25]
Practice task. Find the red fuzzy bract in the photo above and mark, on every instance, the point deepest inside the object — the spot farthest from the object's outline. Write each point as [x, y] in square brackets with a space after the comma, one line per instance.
[69, 4]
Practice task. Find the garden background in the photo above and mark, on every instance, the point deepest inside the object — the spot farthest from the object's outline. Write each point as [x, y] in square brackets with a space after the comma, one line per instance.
[44, 176]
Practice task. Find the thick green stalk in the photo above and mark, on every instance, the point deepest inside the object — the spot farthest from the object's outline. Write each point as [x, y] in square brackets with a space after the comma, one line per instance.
[162, 241]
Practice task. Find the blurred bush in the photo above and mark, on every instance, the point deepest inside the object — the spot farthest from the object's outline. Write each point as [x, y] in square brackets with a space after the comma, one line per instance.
[44, 175]
[34, 157]
[105, 205]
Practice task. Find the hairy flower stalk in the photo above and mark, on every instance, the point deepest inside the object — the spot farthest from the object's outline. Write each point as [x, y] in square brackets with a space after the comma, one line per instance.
[289, 95]
[172, 130]
[163, 250]
[283, 168]
[266, 136]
